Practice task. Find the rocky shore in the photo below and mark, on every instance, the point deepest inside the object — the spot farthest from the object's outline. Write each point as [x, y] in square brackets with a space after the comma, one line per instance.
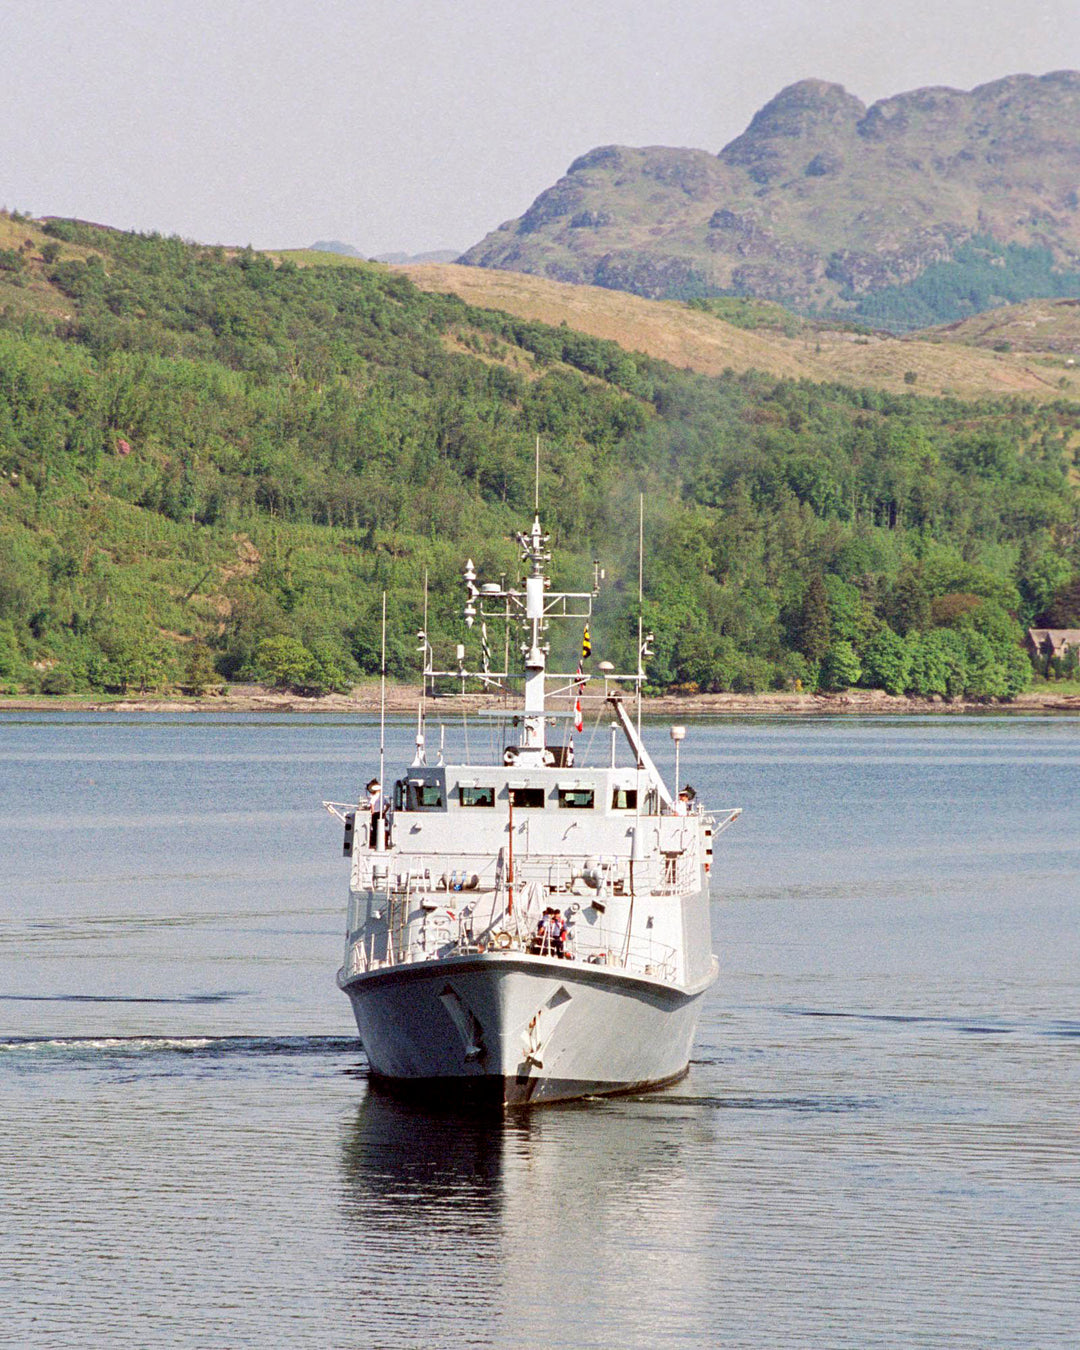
[403, 699]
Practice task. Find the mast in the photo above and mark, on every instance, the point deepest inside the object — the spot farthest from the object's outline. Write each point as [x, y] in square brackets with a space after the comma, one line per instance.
[640, 603]
[534, 649]
[422, 649]
[380, 831]
[532, 606]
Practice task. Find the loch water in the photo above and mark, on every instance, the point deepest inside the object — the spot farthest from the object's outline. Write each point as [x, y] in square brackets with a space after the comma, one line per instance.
[878, 1144]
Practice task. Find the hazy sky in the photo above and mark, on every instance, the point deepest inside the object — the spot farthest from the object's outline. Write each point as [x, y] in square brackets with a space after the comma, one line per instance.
[422, 124]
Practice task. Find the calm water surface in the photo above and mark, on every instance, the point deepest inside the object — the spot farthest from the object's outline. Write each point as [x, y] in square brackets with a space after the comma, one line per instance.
[878, 1144]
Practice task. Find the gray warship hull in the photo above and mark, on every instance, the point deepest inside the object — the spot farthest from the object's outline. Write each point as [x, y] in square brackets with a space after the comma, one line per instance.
[523, 1030]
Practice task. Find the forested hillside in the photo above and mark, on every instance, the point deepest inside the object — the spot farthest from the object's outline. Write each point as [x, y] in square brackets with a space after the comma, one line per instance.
[213, 465]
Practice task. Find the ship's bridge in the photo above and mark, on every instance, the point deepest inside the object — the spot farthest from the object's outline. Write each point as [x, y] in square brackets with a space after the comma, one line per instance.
[574, 813]
[467, 791]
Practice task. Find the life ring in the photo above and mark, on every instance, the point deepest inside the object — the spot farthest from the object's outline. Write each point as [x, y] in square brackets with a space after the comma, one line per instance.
[502, 940]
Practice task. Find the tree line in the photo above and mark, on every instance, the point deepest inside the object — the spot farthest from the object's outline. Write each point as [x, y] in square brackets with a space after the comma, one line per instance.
[211, 466]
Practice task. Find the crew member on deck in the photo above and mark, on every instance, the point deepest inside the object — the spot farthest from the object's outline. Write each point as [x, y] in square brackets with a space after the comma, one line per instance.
[557, 933]
[374, 792]
[539, 943]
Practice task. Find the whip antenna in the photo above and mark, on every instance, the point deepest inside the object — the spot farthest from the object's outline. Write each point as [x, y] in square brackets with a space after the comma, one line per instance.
[640, 594]
[382, 698]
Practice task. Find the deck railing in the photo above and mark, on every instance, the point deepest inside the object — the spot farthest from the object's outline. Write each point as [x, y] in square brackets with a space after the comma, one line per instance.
[442, 936]
[662, 873]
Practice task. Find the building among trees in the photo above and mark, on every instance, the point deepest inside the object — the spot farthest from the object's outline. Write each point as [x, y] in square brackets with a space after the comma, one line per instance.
[1054, 651]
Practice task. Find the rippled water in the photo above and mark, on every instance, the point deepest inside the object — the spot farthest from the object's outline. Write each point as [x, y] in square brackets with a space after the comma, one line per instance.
[877, 1144]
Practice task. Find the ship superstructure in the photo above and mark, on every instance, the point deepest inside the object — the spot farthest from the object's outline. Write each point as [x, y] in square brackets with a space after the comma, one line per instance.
[529, 929]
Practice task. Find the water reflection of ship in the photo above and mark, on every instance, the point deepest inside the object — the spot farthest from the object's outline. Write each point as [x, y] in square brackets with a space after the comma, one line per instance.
[396, 1150]
[422, 1193]
[480, 1228]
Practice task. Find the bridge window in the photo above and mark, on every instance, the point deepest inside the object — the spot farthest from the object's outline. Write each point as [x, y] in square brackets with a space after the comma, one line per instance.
[476, 796]
[527, 796]
[424, 797]
[624, 799]
[577, 799]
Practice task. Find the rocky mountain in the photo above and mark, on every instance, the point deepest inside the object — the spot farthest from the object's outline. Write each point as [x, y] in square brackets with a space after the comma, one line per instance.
[336, 246]
[922, 208]
[435, 255]
[438, 255]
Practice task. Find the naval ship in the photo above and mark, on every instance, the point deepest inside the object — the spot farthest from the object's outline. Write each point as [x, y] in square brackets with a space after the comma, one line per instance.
[530, 929]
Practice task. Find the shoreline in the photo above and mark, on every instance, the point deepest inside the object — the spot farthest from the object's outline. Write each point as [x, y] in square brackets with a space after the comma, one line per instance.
[402, 699]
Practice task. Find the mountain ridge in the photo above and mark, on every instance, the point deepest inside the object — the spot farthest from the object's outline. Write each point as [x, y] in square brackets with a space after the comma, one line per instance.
[822, 202]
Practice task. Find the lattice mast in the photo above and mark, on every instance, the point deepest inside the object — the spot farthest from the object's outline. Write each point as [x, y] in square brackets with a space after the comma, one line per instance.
[532, 607]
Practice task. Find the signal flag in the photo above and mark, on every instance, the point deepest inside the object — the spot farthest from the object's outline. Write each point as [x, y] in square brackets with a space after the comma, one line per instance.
[579, 724]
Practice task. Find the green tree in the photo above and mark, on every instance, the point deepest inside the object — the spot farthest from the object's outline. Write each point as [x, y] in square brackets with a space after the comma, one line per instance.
[1064, 610]
[948, 646]
[850, 618]
[200, 673]
[987, 677]
[336, 668]
[907, 604]
[886, 662]
[840, 668]
[134, 659]
[58, 680]
[11, 658]
[813, 630]
[752, 675]
[1018, 671]
[794, 672]
[1042, 575]
[286, 663]
[928, 670]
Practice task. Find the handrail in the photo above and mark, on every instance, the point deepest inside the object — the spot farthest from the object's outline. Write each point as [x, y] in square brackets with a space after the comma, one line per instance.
[441, 937]
[668, 872]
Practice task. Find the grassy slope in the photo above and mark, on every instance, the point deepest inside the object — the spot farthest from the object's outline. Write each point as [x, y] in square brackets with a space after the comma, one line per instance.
[312, 257]
[1049, 327]
[695, 340]
[35, 295]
